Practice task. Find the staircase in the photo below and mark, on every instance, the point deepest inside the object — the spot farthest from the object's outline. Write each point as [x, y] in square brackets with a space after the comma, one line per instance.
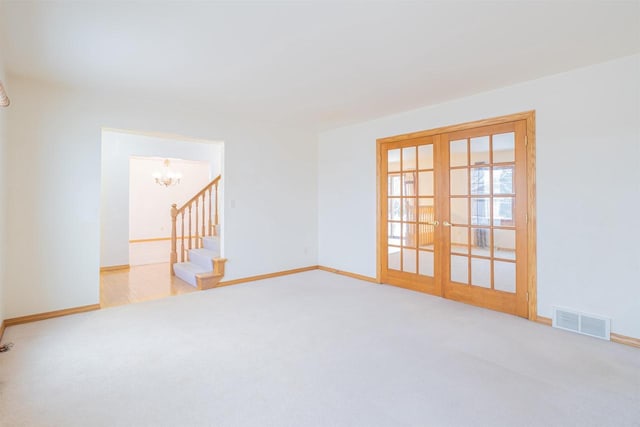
[195, 239]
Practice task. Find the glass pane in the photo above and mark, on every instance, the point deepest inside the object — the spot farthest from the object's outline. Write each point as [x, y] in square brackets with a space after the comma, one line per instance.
[481, 241]
[425, 210]
[409, 260]
[480, 180]
[503, 180]
[481, 272]
[425, 157]
[393, 160]
[409, 235]
[426, 203]
[425, 266]
[460, 240]
[459, 182]
[394, 209]
[459, 269]
[480, 211]
[480, 150]
[425, 236]
[458, 153]
[409, 158]
[504, 244]
[459, 211]
[503, 211]
[425, 183]
[409, 184]
[504, 276]
[503, 147]
[409, 210]
[393, 233]
[393, 259]
[394, 185]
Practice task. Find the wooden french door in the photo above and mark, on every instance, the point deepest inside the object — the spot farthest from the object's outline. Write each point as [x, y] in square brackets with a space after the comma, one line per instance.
[411, 259]
[454, 213]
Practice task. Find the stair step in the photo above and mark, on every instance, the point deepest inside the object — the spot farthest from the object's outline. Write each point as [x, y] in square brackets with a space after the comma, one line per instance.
[212, 243]
[187, 271]
[203, 257]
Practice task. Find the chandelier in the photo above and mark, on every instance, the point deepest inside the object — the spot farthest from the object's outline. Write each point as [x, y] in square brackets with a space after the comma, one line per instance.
[4, 99]
[167, 177]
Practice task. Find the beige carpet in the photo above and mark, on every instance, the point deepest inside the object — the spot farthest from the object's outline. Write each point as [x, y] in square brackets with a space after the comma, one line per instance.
[312, 349]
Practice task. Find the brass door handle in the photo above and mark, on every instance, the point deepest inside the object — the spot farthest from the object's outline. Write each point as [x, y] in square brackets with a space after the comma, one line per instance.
[434, 223]
[446, 224]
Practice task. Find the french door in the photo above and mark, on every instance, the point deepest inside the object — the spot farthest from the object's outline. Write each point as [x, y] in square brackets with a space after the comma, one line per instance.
[454, 215]
[412, 260]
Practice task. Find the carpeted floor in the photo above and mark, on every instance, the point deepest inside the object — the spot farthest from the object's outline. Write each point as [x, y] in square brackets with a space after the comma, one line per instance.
[312, 349]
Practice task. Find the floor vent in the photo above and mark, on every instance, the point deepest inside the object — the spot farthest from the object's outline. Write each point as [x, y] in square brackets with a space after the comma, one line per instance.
[582, 323]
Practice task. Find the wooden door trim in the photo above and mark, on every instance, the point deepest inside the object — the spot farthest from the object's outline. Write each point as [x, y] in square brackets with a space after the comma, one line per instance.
[526, 115]
[530, 140]
[532, 271]
[379, 222]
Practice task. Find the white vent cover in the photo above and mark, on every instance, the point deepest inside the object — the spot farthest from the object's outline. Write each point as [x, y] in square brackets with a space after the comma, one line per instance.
[582, 323]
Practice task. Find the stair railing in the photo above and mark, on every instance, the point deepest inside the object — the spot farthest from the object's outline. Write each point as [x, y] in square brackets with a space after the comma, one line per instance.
[200, 209]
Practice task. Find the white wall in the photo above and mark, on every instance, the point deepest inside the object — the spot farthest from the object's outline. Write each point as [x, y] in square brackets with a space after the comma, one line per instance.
[588, 185]
[150, 203]
[155, 252]
[270, 201]
[117, 149]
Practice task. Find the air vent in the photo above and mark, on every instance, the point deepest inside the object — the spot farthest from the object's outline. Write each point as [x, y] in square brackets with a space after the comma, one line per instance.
[582, 323]
[567, 320]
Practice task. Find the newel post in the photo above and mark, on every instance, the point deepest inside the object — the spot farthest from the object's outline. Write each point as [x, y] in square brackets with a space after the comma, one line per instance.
[174, 253]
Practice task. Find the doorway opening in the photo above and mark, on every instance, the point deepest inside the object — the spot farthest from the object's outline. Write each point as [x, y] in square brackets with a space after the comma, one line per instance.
[456, 213]
[142, 175]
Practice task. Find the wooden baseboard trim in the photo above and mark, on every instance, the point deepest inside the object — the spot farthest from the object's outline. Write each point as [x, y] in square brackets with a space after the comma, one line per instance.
[152, 239]
[623, 339]
[50, 315]
[267, 276]
[617, 338]
[2, 326]
[544, 320]
[115, 268]
[348, 274]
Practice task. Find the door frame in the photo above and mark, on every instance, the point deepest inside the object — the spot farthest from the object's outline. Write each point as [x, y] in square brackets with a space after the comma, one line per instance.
[530, 145]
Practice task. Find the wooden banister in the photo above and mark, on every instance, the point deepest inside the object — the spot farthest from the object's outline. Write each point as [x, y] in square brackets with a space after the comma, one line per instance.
[196, 206]
[201, 192]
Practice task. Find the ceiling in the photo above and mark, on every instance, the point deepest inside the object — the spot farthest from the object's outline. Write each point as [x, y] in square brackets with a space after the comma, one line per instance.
[314, 63]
